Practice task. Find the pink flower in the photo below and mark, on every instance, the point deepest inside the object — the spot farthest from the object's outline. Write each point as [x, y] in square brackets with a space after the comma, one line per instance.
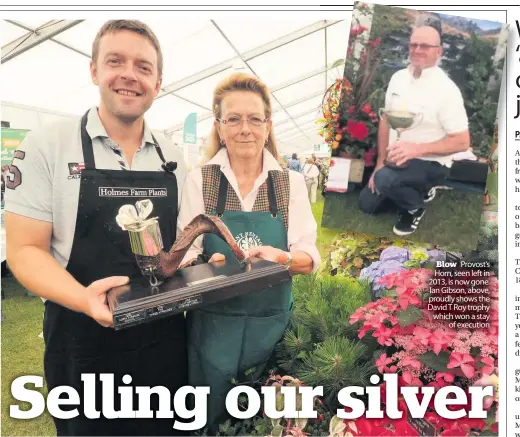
[359, 314]
[406, 299]
[421, 335]
[411, 362]
[439, 339]
[463, 361]
[384, 335]
[363, 331]
[448, 377]
[382, 362]
[489, 367]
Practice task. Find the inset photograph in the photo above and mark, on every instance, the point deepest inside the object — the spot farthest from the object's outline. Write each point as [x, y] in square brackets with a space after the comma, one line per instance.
[412, 125]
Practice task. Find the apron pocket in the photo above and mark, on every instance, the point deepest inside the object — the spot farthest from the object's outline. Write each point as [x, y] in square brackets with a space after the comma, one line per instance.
[261, 335]
[214, 341]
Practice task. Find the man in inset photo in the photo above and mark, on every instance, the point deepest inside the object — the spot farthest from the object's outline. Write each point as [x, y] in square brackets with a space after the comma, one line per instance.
[423, 125]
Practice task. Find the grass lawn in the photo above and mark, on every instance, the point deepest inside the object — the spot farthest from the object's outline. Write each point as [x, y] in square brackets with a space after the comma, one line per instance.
[451, 220]
[492, 186]
[22, 354]
[325, 235]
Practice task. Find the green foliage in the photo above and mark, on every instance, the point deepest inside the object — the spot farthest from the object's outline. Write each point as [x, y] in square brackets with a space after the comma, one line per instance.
[409, 315]
[256, 426]
[436, 362]
[323, 305]
[322, 347]
[487, 246]
[336, 363]
[352, 252]
[469, 63]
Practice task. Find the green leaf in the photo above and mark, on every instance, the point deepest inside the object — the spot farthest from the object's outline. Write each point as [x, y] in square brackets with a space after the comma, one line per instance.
[277, 431]
[377, 353]
[409, 315]
[488, 432]
[474, 351]
[436, 362]
[338, 63]
[249, 371]
[223, 428]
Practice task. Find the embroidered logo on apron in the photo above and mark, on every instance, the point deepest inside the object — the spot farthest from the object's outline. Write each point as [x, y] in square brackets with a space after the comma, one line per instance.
[131, 192]
[246, 240]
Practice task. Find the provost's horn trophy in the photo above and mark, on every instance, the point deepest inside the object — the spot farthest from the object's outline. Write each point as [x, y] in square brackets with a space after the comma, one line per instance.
[164, 289]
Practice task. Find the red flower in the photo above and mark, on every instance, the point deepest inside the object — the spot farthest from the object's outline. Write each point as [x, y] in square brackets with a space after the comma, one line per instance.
[374, 42]
[358, 131]
[366, 108]
[357, 30]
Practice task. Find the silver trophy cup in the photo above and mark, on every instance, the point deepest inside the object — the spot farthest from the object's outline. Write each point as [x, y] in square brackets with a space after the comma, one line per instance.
[400, 121]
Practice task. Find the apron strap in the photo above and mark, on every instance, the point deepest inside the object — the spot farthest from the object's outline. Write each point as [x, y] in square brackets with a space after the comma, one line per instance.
[222, 195]
[273, 206]
[86, 144]
[88, 153]
[167, 166]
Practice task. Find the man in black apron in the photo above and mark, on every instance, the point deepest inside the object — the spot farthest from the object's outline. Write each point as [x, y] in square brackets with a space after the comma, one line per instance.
[124, 165]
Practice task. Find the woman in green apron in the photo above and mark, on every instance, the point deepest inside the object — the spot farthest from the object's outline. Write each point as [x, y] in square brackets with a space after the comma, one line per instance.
[269, 214]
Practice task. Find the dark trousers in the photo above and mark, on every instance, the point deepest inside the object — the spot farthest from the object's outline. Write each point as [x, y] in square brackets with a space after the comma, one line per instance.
[404, 187]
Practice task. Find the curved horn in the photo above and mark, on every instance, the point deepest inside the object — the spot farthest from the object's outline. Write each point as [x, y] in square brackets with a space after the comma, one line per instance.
[166, 264]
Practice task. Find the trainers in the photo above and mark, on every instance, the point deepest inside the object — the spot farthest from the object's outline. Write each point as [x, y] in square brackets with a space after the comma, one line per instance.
[428, 197]
[408, 221]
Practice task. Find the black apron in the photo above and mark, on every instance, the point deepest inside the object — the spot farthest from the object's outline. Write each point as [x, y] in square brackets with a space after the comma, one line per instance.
[153, 354]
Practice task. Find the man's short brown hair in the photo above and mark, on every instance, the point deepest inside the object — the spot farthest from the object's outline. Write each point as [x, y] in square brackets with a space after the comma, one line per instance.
[133, 26]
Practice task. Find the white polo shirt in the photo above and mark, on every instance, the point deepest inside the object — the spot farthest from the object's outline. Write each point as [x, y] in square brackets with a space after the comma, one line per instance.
[437, 98]
[50, 171]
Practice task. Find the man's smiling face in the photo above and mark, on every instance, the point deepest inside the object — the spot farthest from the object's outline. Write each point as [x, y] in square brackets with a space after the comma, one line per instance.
[126, 72]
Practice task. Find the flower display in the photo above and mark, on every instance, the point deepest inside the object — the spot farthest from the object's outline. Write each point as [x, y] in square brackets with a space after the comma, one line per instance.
[424, 351]
[394, 259]
[350, 121]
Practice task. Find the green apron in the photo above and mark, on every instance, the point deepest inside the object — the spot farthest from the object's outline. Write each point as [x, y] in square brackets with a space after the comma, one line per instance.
[232, 336]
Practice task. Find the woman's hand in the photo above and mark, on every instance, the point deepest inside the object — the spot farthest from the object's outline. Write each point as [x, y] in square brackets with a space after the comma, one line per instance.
[216, 257]
[269, 253]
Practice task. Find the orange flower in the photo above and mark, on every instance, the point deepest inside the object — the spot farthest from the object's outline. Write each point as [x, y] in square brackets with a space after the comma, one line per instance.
[335, 145]
[337, 137]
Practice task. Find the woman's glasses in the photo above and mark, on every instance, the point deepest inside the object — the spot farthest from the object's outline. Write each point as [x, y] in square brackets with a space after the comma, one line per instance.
[235, 120]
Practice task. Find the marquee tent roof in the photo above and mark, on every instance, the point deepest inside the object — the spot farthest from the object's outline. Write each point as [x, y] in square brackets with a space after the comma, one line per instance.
[45, 65]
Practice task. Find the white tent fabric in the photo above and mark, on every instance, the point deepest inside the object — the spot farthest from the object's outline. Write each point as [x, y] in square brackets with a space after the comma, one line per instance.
[294, 58]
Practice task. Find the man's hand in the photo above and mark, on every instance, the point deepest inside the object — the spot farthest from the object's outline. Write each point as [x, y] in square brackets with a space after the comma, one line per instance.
[371, 184]
[97, 307]
[269, 253]
[402, 151]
